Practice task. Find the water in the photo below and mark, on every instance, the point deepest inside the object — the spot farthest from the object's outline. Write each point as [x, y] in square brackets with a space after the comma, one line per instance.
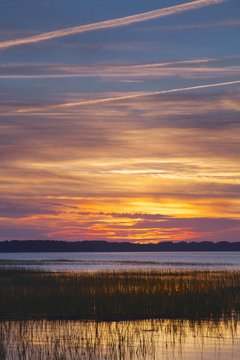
[124, 261]
[124, 340]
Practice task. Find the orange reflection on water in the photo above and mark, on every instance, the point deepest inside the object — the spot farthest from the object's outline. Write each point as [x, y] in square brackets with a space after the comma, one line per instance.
[126, 340]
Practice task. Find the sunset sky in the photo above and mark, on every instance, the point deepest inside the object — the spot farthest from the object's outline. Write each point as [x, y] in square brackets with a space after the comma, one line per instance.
[119, 120]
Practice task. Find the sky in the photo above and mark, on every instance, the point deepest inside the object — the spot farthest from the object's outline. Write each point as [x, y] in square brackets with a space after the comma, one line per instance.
[120, 121]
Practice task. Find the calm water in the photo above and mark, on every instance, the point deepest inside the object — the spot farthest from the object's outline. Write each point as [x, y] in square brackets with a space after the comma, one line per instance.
[124, 261]
[129, 340]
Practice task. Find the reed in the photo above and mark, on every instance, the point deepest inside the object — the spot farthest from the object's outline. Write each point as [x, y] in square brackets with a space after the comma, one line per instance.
[27, 294]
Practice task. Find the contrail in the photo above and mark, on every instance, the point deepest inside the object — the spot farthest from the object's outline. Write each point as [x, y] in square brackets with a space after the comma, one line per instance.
[124, 21]
[125, 97]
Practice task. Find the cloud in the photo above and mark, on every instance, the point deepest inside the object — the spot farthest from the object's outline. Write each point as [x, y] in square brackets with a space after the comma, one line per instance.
[15, 210]
[125, 97]
[125, 215]
[172, 155]
[57, 69]
[122, 227]
[108, 24]
[13, 232]
[45, 68]
[129, 73]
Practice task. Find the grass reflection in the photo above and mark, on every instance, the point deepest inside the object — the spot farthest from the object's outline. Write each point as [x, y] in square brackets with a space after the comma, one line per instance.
[124, 340]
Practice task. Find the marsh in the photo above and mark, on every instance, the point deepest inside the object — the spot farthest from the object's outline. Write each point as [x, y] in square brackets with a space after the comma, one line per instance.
[121, 315]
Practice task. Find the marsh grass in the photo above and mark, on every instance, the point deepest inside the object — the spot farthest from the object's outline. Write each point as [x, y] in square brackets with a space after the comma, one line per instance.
[28, 294]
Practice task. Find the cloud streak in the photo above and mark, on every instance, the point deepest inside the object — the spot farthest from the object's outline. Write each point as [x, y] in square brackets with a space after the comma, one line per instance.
[39, 67]
[109, 24]
[141, 72]
[126, 97]
[33, 69]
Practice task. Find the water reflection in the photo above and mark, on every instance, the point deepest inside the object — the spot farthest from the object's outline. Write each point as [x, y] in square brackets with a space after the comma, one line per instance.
[126, 340]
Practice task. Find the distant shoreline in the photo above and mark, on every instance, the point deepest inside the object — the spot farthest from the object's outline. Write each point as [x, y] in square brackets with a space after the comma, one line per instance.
[22, 246]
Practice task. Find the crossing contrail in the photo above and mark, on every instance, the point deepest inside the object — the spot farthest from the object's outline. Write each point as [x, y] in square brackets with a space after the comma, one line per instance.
[108, 24]
[124, 97]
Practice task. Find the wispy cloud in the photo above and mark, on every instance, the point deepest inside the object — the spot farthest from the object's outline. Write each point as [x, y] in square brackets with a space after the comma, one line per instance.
[62, 68]
[41, 69]
[108, 24]
[125, 97]
[151, 71]
[132, 72]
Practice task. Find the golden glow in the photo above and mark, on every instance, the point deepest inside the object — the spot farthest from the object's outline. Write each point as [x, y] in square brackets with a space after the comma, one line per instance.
[149, 179]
